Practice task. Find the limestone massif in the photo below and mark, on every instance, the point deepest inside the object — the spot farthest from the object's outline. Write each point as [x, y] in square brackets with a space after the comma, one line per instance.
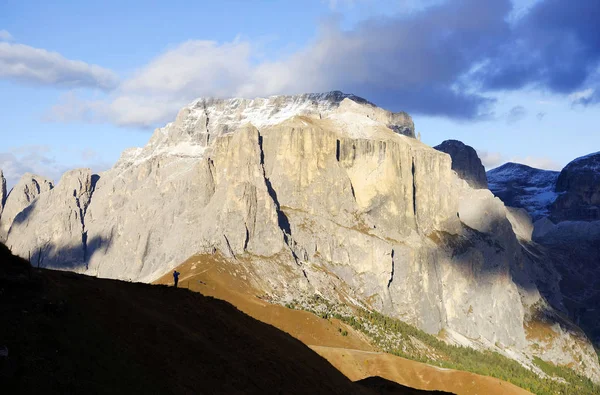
[315, 194]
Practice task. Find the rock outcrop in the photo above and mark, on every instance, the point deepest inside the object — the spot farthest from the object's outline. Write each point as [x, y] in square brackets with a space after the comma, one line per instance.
[524, 187]
[465, 162]
[314, 194]
[3, 192]
[20, 197]
[578, 188]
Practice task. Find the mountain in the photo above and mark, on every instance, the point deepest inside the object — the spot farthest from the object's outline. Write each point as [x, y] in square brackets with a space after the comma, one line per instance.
[319, 194]
[465, 162]
[525, 187]
[578, 188]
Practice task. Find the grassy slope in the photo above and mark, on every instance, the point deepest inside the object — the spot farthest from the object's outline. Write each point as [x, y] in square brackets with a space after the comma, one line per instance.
[359, 364]
[215, 276]
[466, 359]
[68, 333]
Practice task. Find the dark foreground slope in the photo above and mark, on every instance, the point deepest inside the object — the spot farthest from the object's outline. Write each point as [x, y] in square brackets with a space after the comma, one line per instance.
[68, 333]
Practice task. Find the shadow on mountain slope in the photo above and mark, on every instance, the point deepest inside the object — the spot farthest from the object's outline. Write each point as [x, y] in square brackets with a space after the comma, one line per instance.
[73, 258]
[69, 333]
[384, 387]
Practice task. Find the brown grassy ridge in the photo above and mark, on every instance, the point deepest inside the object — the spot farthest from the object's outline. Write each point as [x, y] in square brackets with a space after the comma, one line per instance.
[73, 334]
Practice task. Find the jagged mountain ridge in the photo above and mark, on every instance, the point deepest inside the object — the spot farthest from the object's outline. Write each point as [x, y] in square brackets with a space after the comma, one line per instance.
[335, 198]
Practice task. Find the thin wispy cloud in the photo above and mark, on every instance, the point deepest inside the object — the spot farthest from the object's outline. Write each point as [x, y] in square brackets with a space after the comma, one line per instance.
[37, 66]
[516, 114]
[491, 160]
[5, 36]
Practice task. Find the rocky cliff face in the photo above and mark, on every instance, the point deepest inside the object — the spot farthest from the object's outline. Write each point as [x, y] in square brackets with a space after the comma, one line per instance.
[52, 229]
[3, 192]
[465, 163]
[313, 194]
[20, 197]
[578, 188]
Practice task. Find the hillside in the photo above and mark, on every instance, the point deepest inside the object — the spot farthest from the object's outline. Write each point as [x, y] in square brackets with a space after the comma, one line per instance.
[69, 333]
[351, 351]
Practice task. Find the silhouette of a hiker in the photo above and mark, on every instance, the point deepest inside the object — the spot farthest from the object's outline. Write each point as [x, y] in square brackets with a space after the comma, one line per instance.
[176, 277]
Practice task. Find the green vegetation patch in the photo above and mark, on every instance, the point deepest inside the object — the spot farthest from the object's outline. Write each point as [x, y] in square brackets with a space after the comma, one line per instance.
[399, 338]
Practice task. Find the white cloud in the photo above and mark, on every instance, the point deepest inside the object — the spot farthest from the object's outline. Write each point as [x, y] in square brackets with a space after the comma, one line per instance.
[155, 93]
[387, 63]
[39, 66]
[538, 162]
[581, 95]
[36, 159]
[491, 160]
[5, 36]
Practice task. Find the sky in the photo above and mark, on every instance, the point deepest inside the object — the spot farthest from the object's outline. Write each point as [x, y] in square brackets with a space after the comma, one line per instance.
[519, 80]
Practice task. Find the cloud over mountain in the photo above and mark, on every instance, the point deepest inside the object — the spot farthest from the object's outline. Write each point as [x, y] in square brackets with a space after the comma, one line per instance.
[448, 59]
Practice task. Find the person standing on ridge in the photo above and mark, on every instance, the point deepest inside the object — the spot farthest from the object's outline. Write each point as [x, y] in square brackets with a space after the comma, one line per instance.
[176, 277]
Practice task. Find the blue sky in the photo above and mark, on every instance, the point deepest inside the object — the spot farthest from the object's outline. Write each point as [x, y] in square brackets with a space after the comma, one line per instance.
[82, 81]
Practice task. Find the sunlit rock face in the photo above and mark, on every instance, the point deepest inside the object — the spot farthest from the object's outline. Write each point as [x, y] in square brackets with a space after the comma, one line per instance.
[323, 194]
[28, 188]
[51, 229]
